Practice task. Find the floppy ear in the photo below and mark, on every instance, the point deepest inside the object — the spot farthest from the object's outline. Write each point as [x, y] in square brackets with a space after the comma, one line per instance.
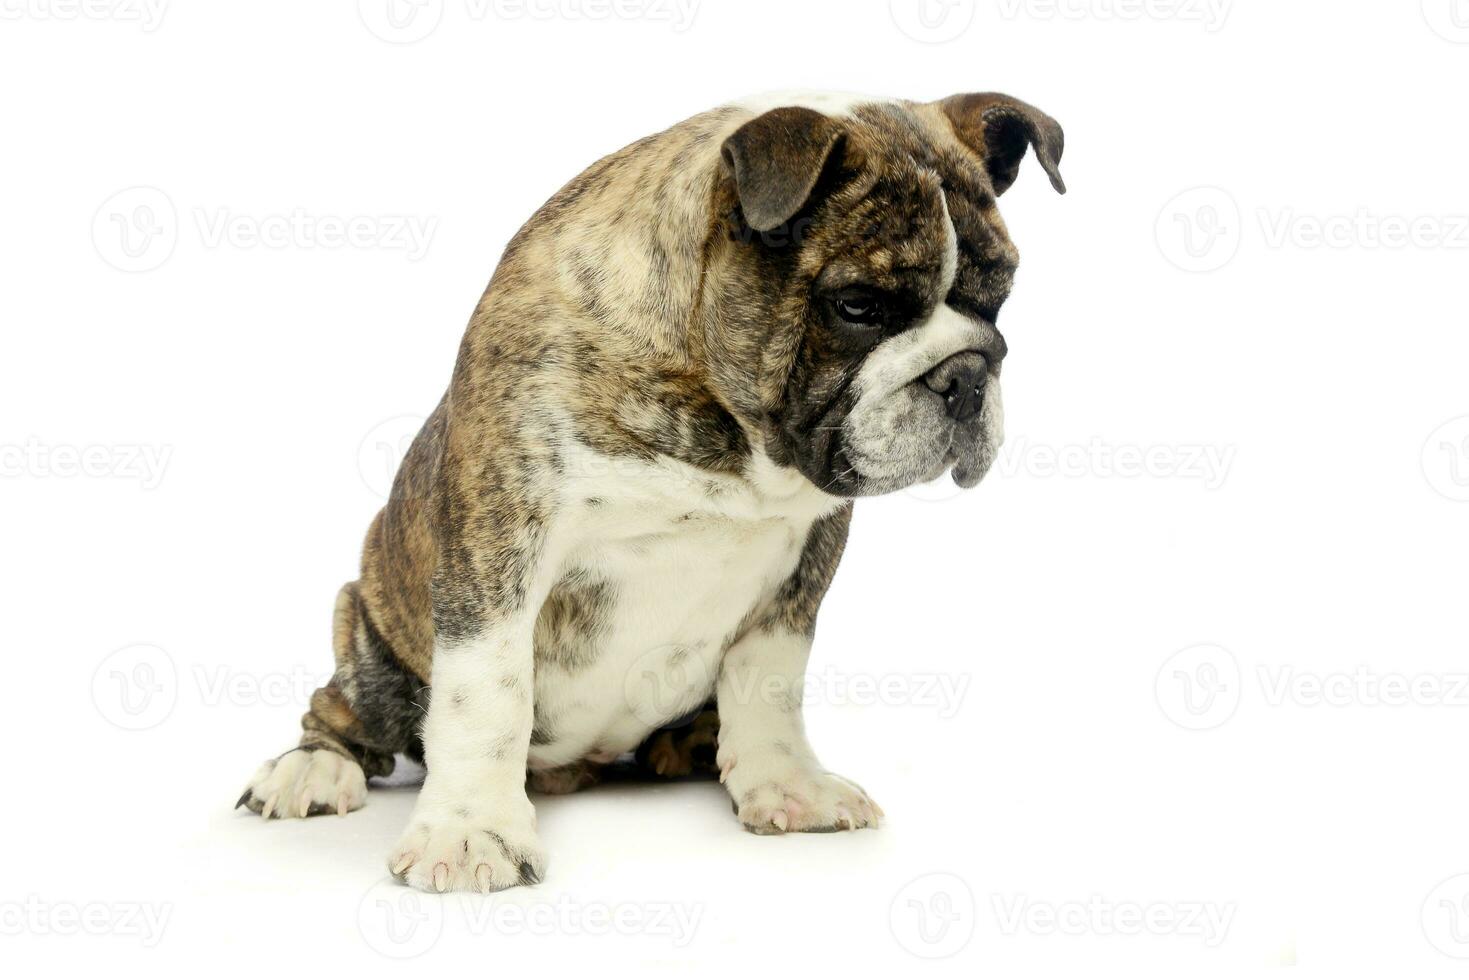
[776, 160]
[999, 129]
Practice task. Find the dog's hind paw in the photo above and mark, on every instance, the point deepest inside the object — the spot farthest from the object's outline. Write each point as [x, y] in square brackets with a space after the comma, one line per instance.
[306, 783]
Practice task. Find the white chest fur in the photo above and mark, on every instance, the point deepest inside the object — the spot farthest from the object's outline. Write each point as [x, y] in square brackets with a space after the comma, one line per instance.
[665, 564]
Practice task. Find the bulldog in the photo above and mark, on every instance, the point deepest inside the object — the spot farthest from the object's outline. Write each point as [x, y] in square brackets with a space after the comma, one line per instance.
[614, 532]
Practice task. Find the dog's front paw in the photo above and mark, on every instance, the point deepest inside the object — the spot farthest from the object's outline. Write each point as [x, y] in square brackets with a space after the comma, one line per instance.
[305, 783]
[458, 852]
[797, 798]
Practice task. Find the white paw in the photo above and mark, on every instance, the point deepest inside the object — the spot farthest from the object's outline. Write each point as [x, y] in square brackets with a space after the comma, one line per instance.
[305, 783]
[462, 850]
[782, 794]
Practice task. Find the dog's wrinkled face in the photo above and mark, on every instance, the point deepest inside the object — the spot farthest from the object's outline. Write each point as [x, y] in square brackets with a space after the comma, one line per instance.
[869, 253]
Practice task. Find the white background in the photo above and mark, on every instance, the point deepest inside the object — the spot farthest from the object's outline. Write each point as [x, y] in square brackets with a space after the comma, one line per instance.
[1135, 643]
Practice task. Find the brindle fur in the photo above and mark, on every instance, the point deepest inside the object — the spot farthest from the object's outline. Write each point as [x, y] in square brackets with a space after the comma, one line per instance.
[700, 343]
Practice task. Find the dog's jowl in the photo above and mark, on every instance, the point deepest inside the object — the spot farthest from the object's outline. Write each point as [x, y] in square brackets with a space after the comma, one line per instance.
[624, 513]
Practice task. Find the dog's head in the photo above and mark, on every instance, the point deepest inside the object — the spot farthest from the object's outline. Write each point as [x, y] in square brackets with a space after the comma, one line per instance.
[863, 270]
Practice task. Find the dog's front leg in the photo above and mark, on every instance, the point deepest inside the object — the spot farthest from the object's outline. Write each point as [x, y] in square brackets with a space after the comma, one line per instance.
[764, 758]
[473, 827]
[765, 762]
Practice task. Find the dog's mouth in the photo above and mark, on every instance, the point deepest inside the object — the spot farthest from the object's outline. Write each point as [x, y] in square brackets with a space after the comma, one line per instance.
[966, 456]
[911, 438]
[974, 461]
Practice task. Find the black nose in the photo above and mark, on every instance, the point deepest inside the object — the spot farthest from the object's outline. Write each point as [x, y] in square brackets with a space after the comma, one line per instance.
[960, 380]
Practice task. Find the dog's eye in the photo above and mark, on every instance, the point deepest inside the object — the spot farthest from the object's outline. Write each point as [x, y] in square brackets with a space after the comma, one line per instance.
[860, 309]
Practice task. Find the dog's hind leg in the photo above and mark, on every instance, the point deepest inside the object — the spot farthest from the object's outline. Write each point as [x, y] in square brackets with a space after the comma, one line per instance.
[683, 749]
[564, 780]
[365, 714]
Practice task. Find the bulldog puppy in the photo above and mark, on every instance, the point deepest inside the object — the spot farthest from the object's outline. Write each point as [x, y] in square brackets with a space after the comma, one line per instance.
[635, 492]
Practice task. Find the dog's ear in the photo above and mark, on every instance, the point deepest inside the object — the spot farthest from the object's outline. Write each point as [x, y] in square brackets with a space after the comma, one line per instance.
[999, 129]
[776, 160]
